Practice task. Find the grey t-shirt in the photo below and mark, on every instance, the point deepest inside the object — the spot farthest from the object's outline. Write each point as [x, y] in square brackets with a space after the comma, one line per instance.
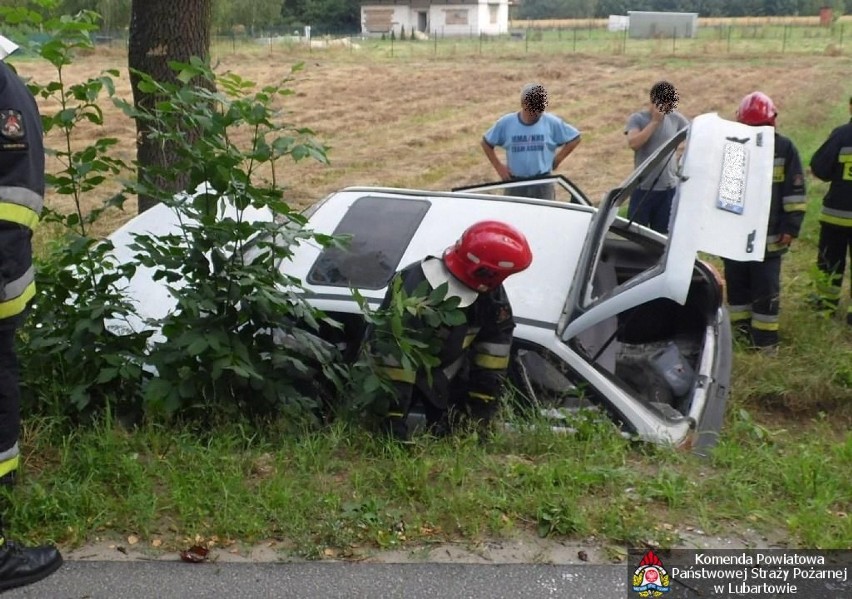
[672, 123]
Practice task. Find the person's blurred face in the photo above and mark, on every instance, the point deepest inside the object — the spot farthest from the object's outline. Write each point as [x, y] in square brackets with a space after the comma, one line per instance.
[664, 97]
[535, 102]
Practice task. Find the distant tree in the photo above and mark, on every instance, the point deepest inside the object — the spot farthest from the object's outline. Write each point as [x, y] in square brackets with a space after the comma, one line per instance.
[323, 15]
[254, 15]
[115, 14]
[162, 31]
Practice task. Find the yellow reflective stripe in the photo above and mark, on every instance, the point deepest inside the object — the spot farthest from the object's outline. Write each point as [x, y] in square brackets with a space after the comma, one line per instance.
[795, 207]
[761, 325]
[398, 374]
[491, 362]
[740, 315]
[775, 247]
[21, 215]
[395, 414]
[6, 466]
[835, 220]
[16, 305]
[468, 339]
[482, 396]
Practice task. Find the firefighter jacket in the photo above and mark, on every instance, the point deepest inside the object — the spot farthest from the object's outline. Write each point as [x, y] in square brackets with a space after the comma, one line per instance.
[788, 196]
[832, 162]
[21, 190]
[479, 346]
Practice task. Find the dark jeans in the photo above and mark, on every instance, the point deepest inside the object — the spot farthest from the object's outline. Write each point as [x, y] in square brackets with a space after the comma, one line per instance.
[541, 191]
[651, 208]
[10, 392]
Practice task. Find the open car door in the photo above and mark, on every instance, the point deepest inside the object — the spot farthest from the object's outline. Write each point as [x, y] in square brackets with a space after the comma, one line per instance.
[721, 207]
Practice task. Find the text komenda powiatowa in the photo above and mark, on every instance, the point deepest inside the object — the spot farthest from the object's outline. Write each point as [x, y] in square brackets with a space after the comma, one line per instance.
[784, 567]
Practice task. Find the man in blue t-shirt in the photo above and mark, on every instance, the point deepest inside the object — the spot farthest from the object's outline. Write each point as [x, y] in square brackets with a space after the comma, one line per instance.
[531, 138]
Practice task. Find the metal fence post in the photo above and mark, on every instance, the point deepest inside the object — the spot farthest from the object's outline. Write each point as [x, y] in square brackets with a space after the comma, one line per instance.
[784, 42]
[527, 41]
[730, 28]
[575, 40]
[674, 40]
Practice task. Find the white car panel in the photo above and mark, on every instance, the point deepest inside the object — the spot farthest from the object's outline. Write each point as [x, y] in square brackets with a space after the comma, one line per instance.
[537, 294]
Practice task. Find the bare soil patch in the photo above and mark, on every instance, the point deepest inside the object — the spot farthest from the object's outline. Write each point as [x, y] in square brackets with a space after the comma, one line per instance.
[418, 124]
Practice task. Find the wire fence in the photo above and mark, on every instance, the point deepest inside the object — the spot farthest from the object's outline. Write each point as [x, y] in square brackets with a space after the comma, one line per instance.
[580, 37]
[592, 39]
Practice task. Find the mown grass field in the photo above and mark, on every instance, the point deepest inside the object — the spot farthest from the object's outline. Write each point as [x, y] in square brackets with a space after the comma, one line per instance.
[409, 120]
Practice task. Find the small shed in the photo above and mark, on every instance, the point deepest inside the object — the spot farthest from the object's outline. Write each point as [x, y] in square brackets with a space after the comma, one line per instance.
[434, 17]
[650, 25]
[618, 23]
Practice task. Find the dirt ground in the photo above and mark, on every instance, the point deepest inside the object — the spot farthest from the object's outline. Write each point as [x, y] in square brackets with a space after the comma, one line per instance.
[525, 549]
[411, 123]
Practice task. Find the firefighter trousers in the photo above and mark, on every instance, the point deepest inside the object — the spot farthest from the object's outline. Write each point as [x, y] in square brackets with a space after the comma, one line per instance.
[10, 398]
[834, 244]
[754, 290]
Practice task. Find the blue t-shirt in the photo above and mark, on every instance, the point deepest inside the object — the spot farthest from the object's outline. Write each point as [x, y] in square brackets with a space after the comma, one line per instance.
[530, 149]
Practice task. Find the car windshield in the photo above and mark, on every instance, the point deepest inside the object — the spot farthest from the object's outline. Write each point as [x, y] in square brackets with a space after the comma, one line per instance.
[375, 233]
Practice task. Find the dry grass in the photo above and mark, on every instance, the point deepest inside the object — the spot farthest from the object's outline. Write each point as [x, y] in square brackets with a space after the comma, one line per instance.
[415, 123]
[810, 21]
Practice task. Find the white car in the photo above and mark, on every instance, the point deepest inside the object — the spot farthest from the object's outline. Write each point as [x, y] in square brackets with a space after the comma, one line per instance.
[610, 314]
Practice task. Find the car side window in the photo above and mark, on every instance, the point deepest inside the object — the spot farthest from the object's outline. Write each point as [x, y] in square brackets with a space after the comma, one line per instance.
[375, 233]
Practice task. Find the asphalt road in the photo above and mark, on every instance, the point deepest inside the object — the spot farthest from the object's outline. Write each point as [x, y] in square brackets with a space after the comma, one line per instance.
[167, 580]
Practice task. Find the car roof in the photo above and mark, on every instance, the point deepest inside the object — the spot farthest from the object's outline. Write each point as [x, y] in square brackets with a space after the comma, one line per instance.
[556, 232]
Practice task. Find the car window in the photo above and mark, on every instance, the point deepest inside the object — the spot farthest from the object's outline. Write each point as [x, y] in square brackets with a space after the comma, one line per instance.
[562, 189]
[375, 233]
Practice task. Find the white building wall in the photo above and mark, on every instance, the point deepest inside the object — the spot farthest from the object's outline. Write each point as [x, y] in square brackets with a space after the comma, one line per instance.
[445, 19]
[501, 10]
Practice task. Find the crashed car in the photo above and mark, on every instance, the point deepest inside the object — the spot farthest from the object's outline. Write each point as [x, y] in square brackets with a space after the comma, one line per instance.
[611, 315]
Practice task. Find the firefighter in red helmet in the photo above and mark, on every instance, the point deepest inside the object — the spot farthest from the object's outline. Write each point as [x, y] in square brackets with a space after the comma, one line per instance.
[754, 288]
[474, 354]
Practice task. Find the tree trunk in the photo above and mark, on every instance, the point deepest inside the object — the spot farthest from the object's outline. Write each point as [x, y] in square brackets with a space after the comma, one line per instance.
[162, 31]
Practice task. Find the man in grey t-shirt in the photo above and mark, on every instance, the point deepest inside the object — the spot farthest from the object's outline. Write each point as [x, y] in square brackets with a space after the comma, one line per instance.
[647, 130]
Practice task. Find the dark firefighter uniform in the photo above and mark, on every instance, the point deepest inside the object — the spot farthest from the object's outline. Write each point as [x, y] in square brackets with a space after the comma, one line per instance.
[754, 288]
[833, 162]
[474, 358]
[21, 198]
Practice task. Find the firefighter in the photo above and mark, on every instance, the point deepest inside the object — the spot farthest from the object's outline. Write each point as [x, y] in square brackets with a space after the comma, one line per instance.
[754, 288]
[474, 355]
[832, 162]
[21, 197]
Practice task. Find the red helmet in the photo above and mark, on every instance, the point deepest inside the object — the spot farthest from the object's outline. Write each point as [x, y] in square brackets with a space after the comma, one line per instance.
[757, 109]
[486, 253]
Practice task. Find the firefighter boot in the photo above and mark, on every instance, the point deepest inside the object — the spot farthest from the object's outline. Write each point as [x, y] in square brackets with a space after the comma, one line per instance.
[21, 565]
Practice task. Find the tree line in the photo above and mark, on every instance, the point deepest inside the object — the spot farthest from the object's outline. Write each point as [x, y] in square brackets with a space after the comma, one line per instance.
[227, 16]
[254, 17]
[585, 9]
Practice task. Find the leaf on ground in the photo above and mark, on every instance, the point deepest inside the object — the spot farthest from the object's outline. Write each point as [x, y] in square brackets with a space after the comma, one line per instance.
[195, 554]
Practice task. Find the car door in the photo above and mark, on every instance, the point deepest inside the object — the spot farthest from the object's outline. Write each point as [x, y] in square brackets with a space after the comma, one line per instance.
[721, 207]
